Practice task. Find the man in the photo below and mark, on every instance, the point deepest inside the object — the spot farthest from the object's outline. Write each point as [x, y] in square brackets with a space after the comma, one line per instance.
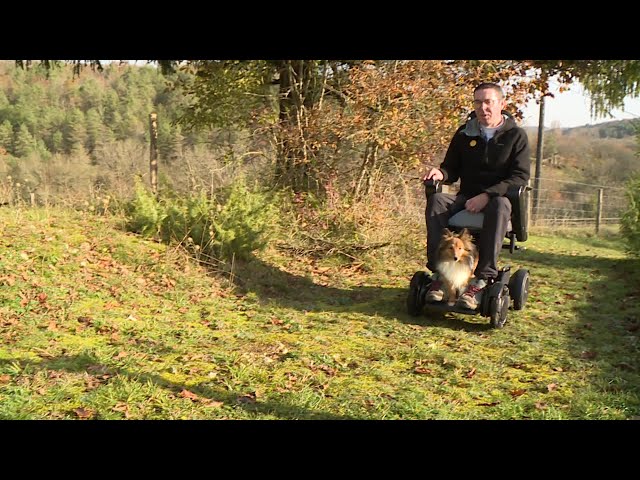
[488, 154]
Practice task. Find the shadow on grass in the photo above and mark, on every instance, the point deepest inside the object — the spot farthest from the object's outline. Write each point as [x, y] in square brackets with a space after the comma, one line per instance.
[301, 293]
[89, 363]
[605, 333]
[298, 292]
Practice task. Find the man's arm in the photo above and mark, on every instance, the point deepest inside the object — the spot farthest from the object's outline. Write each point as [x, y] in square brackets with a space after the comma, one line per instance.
[520, 170]
[450, 166]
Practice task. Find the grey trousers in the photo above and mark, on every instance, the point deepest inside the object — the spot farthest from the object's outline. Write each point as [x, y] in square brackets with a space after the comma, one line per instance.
[497, 213]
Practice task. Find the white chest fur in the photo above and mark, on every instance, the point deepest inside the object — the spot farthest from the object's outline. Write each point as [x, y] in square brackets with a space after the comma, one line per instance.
[456, 273]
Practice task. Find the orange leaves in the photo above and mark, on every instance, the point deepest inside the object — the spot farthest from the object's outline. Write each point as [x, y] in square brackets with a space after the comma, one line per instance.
[84, 413]
[184, 393]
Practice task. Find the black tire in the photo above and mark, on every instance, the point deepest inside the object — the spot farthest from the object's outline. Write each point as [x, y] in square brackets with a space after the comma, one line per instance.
[519, 288]
[498, 308]
[415, 298]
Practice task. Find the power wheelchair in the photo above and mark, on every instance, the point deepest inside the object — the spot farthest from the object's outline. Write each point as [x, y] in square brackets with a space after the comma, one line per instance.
[497, 296]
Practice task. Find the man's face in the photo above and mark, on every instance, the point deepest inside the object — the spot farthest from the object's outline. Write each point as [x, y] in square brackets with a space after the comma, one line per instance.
[488, 106]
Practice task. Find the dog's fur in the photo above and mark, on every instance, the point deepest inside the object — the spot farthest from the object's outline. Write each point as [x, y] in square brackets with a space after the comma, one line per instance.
[457, 260]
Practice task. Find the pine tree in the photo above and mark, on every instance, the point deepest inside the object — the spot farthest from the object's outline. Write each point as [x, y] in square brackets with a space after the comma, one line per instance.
[6, 136]
[75, 133]
[24, 142]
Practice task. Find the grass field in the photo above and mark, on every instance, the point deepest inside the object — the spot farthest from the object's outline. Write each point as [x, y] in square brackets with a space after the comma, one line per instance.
[99, 324]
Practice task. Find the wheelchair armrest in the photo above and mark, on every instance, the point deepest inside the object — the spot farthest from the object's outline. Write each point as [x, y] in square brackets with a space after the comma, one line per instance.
[519, 198]
[432, 186]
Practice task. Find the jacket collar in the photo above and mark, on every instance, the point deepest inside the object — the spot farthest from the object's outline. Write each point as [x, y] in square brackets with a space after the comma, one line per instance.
[472, 127]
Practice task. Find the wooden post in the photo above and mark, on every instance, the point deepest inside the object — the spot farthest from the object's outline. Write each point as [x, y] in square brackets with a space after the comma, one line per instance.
[153, 160]
[536, 183]
[599, 213]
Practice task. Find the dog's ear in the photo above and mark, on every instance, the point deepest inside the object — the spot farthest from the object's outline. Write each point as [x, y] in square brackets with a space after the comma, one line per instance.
[466, 235]
[446, 232]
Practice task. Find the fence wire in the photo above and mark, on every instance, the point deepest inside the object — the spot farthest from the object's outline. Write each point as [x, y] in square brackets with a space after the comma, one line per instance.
[565, 203]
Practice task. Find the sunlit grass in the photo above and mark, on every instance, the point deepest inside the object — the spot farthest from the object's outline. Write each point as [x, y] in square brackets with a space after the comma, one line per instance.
[99, 324]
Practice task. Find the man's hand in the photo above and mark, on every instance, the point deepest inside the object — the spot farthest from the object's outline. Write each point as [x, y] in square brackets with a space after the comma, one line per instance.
[435, 174]
[476, 204]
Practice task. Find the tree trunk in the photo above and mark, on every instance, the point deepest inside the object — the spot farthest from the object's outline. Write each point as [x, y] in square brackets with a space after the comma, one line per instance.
[153, 157]
[297, 85]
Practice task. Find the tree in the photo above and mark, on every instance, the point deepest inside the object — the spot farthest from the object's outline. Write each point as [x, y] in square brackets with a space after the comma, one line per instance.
[75, 132]
[6, 136]
[24, 142]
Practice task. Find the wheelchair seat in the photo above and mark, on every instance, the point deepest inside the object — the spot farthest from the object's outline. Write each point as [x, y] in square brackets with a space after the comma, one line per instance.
[517, 227]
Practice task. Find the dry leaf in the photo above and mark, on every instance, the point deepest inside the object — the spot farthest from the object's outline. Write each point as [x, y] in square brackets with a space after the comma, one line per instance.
[190, 395]
[84, 413]
[422, 370]
[247, 398]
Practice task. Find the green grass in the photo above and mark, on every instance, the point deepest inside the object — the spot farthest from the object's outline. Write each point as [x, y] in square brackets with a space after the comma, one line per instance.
[99, 324]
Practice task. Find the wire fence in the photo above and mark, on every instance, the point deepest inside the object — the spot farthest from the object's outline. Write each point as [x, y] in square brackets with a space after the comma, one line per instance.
[569, 204]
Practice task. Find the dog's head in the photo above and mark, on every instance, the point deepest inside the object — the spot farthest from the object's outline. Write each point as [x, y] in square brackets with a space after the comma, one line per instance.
[452, 245]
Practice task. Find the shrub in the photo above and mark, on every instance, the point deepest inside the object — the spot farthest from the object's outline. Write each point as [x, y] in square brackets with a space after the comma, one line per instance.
[244, 223]
[233, 223]
[630, 221]
[144, 213]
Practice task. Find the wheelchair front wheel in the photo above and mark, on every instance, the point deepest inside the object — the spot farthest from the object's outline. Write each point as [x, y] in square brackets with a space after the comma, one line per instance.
[498, 308]
[417, 287]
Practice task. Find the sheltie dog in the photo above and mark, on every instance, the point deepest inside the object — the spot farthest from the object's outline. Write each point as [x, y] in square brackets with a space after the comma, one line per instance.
[457, 260]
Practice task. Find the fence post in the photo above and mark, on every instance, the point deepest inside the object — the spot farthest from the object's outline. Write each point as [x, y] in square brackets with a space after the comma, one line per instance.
[599, 212]
[153, 159]
[536, 184]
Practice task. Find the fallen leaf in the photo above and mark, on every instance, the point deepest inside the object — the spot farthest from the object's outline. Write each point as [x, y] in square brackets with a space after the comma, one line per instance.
[190, 395]
[518, 392]
[122, 407]
[471, 373]
[422, 370]
[551, 387]
[247, 398]
[84, 413]
[588, 354]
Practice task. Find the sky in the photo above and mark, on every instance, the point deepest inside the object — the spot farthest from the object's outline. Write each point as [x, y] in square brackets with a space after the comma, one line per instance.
[572, 109]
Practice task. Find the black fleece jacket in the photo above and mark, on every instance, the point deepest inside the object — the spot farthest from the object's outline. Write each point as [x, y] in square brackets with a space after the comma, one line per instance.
[491, 166]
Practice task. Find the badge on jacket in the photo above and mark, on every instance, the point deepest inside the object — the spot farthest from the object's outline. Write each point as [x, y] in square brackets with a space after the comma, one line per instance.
[473, 143]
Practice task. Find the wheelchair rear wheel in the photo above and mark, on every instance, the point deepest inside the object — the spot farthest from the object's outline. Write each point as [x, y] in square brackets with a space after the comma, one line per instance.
[519, 288]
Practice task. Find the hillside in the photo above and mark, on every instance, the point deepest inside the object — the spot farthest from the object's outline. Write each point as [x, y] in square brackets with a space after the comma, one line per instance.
[612, 129]
[99, 324]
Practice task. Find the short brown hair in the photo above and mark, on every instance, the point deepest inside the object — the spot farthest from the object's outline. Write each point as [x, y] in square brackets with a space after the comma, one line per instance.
[493, 86]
